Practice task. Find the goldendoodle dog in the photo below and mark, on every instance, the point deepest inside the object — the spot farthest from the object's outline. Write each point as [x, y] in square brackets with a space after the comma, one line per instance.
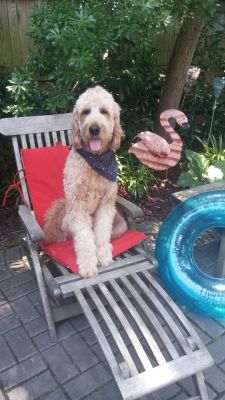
[88, 214]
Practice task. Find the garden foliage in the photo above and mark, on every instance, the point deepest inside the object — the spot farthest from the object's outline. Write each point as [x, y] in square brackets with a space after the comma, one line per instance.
[206, 166]
[79, 43]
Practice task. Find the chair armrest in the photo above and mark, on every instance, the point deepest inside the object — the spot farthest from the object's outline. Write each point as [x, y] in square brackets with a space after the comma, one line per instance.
[129, 209]
[33, 228]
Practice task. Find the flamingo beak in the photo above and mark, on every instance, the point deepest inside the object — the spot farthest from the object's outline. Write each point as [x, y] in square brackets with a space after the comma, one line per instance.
[185, 126]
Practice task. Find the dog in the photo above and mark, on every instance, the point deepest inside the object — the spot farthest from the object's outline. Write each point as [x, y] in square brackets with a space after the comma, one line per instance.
[88, 214]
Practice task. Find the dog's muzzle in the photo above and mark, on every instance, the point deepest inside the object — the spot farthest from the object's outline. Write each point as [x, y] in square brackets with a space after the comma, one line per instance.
[94, 130]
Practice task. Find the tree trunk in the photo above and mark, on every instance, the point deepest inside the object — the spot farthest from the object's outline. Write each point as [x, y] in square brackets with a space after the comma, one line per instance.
[178, 67]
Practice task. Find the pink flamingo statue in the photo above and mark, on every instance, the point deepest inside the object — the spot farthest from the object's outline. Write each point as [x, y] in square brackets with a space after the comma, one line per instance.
[153, 150]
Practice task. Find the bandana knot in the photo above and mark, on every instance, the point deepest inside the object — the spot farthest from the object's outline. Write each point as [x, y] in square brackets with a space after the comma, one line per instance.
[104, 164]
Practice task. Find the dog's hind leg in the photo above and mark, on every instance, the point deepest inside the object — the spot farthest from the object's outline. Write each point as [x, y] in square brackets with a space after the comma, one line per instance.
[119, 225]
[53, 222]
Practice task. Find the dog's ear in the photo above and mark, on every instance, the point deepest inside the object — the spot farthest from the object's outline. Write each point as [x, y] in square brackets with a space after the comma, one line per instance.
[118, 131]
[76, 138]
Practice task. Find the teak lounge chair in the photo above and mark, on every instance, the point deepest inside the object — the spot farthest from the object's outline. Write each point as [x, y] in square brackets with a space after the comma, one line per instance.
[155, 344]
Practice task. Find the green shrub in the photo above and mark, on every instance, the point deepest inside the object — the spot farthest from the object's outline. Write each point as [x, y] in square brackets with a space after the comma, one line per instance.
[80, 43]
[134, 176]
[205, 167]
[22, 89]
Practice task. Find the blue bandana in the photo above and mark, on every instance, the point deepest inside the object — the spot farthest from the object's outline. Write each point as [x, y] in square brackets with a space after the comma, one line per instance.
[104, 164]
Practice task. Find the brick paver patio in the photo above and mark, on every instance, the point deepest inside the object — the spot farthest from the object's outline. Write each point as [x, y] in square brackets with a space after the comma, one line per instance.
[32, 368]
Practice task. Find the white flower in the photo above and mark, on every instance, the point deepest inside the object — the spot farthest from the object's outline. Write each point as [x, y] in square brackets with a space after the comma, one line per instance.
[105, 55]
[214, 174]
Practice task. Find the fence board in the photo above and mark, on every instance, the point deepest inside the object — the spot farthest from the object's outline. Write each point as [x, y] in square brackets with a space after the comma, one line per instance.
[5, 44]
[16, 46]
[22, 28]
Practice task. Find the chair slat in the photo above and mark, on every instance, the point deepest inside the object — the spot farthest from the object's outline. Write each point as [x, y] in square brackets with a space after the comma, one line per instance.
[69, 136]
[132, 261]
[54, 136]
[141, 324]
[114, 331]
[31, 140]
[150, 381]
[127, 326]
[170, 322]
[47, 139]
[39, 140]
[153, 319]
[99, 333]
[62, 137]
[24, 141]
[82, 283]
[176, 310]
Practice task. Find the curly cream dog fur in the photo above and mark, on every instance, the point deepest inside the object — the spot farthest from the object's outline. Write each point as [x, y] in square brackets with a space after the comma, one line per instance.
[88, 213]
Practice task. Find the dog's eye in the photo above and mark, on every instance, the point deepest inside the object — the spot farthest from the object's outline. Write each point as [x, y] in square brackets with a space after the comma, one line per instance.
[103, 111]
[86, 111]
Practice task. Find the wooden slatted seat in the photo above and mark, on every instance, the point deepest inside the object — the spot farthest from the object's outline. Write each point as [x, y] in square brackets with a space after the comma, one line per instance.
[146, 339]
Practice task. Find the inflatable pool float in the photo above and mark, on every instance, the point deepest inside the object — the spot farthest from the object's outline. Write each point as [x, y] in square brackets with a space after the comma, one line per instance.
[182, 277]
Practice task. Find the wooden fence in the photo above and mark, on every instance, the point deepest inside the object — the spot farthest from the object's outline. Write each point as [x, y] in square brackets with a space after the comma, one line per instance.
[14, 44]
[14, 18]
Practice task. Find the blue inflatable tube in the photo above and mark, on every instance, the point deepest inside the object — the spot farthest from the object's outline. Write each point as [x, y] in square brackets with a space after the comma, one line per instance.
[174, 251]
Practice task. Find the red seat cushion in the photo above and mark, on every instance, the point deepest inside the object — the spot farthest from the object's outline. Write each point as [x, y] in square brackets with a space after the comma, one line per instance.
[64, 252]
[44, 176]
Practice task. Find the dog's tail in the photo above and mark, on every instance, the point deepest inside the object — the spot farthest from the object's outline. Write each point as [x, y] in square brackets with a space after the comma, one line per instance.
[119, 225]
[53, 222]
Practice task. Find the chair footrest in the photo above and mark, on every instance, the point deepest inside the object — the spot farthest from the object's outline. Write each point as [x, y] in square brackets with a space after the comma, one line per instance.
[146, 339]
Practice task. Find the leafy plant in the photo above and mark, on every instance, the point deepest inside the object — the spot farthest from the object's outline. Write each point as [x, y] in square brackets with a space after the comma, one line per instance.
[201, 170]
[214, 148]
[21, 89]
[134, 176]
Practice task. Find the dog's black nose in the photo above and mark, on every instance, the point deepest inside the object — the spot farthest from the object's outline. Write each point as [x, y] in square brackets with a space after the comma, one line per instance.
[94, 130]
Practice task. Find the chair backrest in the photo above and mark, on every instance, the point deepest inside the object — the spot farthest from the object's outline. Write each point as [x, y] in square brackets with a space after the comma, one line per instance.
[35, 132]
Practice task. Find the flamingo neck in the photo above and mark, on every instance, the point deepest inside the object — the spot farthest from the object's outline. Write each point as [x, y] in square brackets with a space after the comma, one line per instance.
[178, 115]
[171, 113]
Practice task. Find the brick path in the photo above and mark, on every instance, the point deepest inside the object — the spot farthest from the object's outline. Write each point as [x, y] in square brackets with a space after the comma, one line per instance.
[32, 368]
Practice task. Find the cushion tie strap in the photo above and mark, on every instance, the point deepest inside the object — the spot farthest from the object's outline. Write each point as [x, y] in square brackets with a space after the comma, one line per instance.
[16, 184]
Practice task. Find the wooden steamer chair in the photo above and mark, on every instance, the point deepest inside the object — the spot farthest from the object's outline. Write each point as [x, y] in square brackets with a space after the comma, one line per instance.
[155, 343]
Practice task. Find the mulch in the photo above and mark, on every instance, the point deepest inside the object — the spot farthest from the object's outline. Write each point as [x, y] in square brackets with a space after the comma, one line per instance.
[157, 203]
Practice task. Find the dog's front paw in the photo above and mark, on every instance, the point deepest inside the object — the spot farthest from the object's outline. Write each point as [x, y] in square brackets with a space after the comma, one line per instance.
[88, 270]
[104, 254]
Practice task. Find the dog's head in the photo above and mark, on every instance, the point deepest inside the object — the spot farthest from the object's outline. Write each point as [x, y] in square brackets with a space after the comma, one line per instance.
[96, 121]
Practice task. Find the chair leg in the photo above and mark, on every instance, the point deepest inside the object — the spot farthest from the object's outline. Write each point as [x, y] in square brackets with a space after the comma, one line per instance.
[200, 385]
[42, 290]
